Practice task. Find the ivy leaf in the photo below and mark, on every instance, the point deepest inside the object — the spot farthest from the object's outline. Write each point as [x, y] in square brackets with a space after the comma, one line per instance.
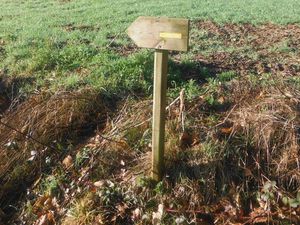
[294, 203]
[285, 200]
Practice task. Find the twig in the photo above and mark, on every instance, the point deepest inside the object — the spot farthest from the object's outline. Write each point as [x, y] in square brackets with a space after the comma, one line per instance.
[113, 40]
[27, 136]
[109, 139]
[172, 103]
[184, 211]
[182, 107]
[219, 124]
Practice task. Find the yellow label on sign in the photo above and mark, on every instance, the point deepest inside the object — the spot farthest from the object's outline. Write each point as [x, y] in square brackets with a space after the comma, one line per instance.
[171, 35]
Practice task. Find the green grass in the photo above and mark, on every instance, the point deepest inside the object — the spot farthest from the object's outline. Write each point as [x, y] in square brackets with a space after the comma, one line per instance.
[51, 41]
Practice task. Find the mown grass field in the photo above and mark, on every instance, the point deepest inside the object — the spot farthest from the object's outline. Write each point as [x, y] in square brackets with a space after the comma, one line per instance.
[75, 107]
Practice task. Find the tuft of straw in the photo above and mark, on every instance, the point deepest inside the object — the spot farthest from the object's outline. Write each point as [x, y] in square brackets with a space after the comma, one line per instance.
[37, 129]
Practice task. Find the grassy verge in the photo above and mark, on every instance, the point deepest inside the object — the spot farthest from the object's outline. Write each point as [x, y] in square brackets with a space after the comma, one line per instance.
[71, 79]
[229, 163]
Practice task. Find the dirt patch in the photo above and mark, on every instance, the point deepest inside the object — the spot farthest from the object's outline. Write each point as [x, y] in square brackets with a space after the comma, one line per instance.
[81, 27]
[243, 64]
[123, 50]
[259, 49]
[258, 37]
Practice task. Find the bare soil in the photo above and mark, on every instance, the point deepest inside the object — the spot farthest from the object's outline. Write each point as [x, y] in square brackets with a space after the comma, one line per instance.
[267, 48]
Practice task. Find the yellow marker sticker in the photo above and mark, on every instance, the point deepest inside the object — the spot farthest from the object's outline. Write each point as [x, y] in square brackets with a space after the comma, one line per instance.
[171, 35]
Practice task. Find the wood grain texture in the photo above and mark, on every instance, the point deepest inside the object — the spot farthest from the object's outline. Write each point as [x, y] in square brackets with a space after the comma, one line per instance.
[159, 112]
[160, 33]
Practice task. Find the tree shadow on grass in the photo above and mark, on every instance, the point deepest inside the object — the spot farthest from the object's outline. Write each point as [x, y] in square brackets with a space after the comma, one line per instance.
[191, 70]
[180, 73]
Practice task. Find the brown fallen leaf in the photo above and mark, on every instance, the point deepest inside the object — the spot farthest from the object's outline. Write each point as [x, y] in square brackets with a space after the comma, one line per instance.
[39, 205]
[262, 220]
[186, 140]
[221, 100]
[99, 183]
[50, 218]
[248, 172]
[226, 130]
[67, 162]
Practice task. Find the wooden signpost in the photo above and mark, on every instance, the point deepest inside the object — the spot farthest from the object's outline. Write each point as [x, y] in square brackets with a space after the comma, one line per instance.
[161, 34]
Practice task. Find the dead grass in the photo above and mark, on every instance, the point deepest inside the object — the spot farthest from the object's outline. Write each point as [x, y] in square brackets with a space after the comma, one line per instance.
[43, 126]
[270, 121]
[214, 168]
[256, 140]
[82, 211]
[261, 127]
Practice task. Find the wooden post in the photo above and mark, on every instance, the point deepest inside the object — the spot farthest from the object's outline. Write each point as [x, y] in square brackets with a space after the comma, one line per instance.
[161, 34]
[159, 112]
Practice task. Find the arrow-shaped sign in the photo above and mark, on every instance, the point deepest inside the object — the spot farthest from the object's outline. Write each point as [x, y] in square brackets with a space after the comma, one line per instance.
[160, 33]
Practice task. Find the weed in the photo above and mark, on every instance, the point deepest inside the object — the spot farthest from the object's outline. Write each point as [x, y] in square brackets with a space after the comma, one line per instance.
[226, 76]
[295, 81]
[81, 157]
[210, 149]
[50, 186]
[212, 89]
[144, 181]
[82, 211]
[191, 90]
[160, 188]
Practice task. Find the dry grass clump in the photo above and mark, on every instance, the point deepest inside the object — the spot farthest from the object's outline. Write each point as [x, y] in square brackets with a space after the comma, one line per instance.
[41, 127]
[82, 211]
[126, 142]
[254, 138]
[270, 123]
